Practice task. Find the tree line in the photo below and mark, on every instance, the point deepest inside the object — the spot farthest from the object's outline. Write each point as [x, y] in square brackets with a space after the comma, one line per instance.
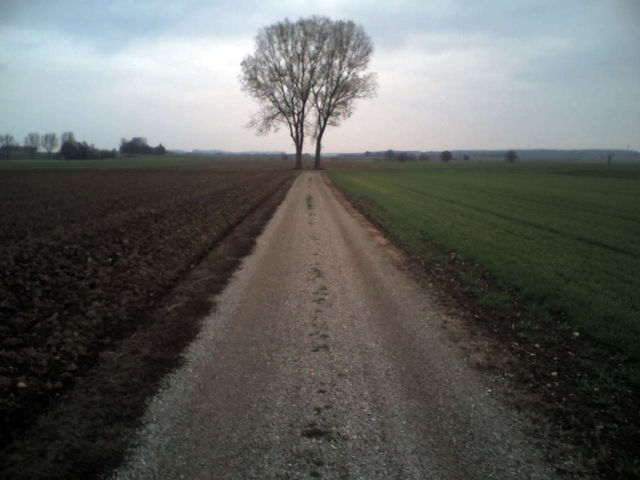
[71, 149]
[510, 156]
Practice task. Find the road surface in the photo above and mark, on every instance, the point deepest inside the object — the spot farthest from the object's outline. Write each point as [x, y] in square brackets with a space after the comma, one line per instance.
[323, 360]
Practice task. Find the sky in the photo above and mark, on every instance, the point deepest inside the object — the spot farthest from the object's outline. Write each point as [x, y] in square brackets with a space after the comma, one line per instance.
[452, 74]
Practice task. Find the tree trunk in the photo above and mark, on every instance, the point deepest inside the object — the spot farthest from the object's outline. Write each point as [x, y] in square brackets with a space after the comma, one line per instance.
[318, 150]
[298, 157]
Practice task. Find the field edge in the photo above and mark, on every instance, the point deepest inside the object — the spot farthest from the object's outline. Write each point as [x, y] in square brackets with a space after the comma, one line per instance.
[578, 389]
[88, 430]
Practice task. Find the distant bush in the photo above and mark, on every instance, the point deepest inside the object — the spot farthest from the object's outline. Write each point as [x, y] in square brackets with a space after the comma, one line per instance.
[406, 157]
[139, 146]
[446, 156]
[392, 156]
[511, 156]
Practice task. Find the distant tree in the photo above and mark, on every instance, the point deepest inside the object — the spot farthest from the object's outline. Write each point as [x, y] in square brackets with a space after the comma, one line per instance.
[69, 148]
[159, 150]
[67, 137]
[50, 142]
[390, 155]
[511, 156]
[343, 79]
[139, 146]
[280, 75]
[32, 143]
[7, 143]
[446, 156]
[74, 150]
[423, 157]
[609, 158]
[466, 158]
[406, 157]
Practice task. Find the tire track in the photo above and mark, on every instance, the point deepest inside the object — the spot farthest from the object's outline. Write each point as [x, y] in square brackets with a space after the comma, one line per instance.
[325, 361]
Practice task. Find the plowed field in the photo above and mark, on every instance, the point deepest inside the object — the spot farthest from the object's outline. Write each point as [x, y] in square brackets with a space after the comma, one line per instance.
[84, 254]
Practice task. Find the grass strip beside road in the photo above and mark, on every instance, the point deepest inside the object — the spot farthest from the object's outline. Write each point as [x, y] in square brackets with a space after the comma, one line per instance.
[566, 236]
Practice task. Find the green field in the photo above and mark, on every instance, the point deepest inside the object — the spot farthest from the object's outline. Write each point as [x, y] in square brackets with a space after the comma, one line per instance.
[565, 235]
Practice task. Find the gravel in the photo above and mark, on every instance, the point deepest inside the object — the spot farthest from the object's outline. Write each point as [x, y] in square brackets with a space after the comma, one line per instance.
[324, 360]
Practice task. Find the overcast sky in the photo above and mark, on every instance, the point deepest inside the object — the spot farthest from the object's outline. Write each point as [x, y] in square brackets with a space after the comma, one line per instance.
[452, 74]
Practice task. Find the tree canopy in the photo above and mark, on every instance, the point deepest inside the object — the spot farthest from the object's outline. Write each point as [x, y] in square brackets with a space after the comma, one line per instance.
[312, 65]
[74, 150]
[139, 146]
[7, 143]
[49, 142]
[343, 80]
[32, 143]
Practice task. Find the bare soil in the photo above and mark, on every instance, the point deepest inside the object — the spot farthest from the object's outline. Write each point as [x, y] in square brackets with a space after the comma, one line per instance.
[91, 314]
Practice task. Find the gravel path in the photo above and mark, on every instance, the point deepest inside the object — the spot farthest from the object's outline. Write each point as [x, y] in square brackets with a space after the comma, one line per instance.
[323, 360]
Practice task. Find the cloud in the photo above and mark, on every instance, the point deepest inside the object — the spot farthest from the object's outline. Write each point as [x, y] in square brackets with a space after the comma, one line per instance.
[107, 26]
[452, 73]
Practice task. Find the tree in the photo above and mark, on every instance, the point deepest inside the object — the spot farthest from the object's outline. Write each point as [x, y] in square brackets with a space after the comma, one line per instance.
[49, 142]
[159, 150]
[32, 142]
[346, 54]
[72, 150]
[139, 146]
[446, 156]
[68, 137]
[7, 142]
[511, 156]
[280, 75]
[69, 148]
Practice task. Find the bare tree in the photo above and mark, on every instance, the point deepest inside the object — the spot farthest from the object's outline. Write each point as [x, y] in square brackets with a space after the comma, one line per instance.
[7, 141]
[32, 142]
[49, 142]
[68, 137]
[343, 80]
[280, 75]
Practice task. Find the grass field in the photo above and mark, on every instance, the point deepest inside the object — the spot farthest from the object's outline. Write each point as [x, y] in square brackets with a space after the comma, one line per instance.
[567, 236]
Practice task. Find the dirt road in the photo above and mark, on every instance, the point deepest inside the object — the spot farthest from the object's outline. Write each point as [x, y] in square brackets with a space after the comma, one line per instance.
[323, 360]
